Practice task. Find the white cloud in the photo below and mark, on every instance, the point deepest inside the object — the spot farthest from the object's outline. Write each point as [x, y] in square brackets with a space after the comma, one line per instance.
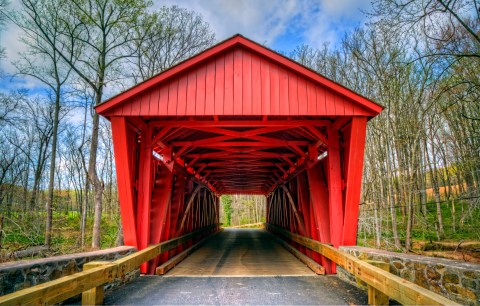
[262, 21]
[310, 21]
[315, 22]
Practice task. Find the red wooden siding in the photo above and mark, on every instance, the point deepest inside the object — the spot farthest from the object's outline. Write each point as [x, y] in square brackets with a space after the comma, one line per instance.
[239, 82]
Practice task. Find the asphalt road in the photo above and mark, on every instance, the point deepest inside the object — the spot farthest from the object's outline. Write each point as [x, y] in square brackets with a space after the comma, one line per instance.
[274, 290]
[238, 267]
[241, 252]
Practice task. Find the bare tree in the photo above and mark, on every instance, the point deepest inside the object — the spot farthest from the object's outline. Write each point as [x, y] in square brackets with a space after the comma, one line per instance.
[42, 61]
[3, 17]
[168, 37]
[93, 43]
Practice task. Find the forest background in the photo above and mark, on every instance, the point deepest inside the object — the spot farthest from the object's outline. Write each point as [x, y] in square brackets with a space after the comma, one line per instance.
[420, 59]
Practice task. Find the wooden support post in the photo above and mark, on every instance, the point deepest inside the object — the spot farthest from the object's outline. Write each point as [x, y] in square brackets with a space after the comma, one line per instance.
[335, 197]
[93, 296]
[304, 205]
[320, 210]
[354, 168]
[145, 186]
[123, 156]
[160, 203]
[375, 296]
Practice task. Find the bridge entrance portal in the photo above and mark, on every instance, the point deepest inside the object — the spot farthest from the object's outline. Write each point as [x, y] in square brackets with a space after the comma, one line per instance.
[238, 118]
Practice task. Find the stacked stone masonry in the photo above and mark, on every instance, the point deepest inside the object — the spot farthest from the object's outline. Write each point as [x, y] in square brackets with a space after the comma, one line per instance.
[23, 274]
[456, 280]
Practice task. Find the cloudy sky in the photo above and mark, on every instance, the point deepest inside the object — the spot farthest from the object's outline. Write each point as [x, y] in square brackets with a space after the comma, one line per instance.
[279, 24]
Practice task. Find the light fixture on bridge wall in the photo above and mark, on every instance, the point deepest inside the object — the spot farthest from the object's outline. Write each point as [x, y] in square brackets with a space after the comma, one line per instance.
[323, 155]
[157, 156]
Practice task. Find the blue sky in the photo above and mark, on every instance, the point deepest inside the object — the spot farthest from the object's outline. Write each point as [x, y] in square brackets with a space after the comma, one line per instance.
[279, 24]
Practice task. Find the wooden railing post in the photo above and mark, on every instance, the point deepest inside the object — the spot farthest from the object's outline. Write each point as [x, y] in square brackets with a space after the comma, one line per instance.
[375, 296]
[90, 281]
[393, 286]
[93, 296]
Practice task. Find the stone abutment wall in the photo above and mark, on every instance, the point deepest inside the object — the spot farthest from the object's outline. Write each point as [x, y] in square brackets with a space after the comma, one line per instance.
[456, 280]
[23, 274]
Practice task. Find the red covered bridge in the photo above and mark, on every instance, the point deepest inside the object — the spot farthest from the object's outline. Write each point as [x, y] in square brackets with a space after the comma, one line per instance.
[239, 119]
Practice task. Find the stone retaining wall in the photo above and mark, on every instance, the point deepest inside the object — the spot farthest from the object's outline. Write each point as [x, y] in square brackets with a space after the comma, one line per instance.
[456, 280]
[22, 274]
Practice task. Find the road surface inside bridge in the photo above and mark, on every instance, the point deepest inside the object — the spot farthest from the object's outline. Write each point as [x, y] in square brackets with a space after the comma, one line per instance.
[241, 252]
[238, 266]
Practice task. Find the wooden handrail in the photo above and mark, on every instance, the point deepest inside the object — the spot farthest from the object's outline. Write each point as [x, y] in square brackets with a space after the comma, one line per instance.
[58, 290]
[397, 288]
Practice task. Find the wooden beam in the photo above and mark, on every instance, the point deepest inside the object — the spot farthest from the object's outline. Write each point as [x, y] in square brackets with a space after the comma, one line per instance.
[144, 197]
[310, 263]
[123, 152]
[59, 290]
[335, 197]
[188, 207]
[354, 169]
[395, 287]
[172, 262]
[300, 222]
[95, 295]
[233, 123]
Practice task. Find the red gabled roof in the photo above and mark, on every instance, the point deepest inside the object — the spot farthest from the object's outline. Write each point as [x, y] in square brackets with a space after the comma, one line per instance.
[238, 77]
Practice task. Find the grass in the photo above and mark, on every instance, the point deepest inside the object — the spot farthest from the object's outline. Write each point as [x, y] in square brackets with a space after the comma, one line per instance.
[24, 231]
[424, 228]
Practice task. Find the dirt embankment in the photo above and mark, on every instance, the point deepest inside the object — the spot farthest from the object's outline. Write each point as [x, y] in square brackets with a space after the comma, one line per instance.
[458, 250]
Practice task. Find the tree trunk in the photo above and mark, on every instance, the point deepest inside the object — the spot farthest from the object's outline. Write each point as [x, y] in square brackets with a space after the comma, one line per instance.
[96, 183]
[48, 227]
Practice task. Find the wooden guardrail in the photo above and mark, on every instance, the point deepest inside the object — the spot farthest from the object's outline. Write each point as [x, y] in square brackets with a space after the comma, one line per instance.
[250, 225]
[395, 287]
[91, 280]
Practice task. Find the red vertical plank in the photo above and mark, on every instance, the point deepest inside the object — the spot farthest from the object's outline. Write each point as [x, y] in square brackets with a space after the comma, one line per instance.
[160, 202]
[219, 85]
[335, 195]
[354, 178]
[304, 205]
[163, 101]
[124, 178]
[256, 88]
[200, 96]
[191, 92]
[274, 90]
[247, 83]
[265, 83]
[293, 93]
[329, 103]
[302, 97]
[210, 89]
[145, 103]
[172, 97]
[126, 108]
[182, 95]
[145, 185]
[319, 209]
[154, 98]
[237, 81]
[311, 99]
[284, 108]
[166, 229]
[349, 108]
[136, 101]
[334, 177]
[228, 102]
[321, 103]
[339, 105]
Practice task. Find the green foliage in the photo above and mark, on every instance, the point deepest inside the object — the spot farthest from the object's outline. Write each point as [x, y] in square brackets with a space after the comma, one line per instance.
[226, 201]
[23, 231]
